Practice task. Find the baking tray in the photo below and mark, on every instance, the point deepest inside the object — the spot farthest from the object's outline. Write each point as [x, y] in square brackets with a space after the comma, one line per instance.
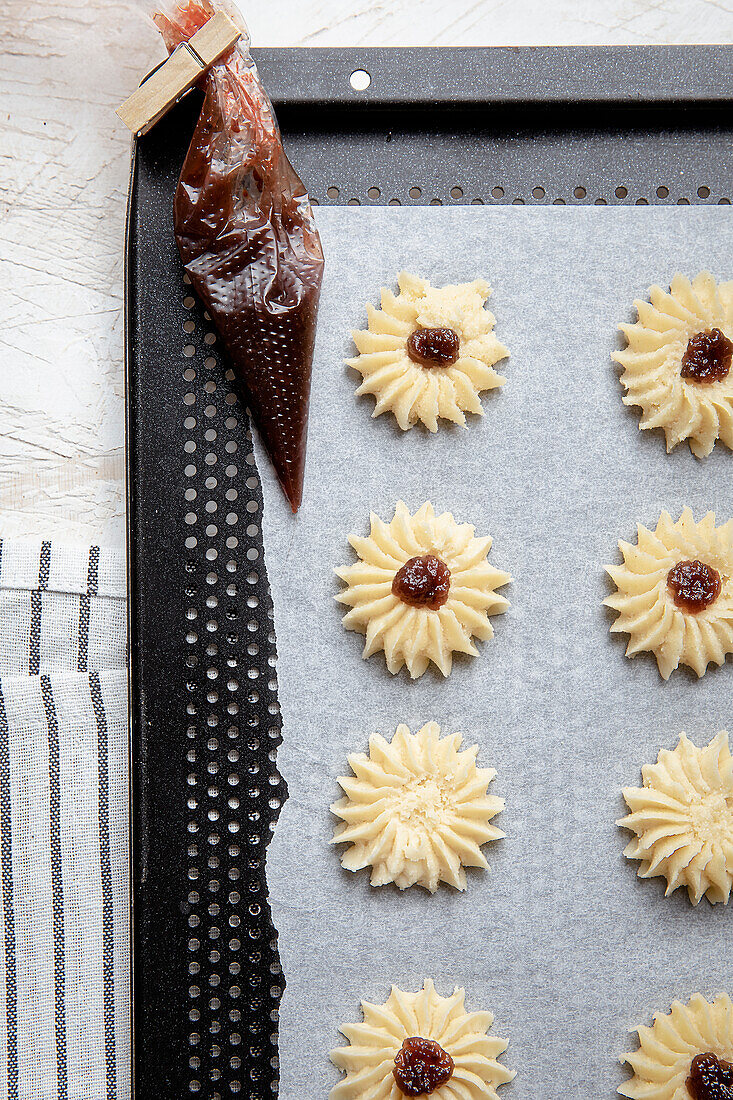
[644, 125]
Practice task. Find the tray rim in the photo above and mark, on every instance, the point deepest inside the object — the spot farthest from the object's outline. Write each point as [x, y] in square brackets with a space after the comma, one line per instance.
[476, 76]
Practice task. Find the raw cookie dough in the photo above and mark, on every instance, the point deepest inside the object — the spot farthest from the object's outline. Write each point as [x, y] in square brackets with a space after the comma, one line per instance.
[416, 810]
[369, 1060]
[450, 383]
[662, 1063]
[452, 587]
[677, 560]
[683, 819]
[688, 398]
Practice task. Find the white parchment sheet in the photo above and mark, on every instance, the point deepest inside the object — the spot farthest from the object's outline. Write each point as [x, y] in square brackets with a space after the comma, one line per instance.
[560, 939]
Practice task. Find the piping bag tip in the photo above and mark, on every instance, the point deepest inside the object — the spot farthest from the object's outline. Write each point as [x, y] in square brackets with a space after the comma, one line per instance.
[290, 475]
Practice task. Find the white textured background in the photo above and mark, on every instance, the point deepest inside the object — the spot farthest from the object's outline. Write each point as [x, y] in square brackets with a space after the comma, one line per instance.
[64, 159]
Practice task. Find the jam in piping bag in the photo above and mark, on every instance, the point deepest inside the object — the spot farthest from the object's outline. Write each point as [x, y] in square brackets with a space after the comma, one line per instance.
[245, 231]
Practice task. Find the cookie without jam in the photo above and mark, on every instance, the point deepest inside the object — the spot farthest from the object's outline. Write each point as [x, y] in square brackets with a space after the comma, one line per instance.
[683, 819]
[421, 590]
[416, 810]
[370, 1059]
[677, 362]
[662, 1064]
[675, 592]
[429, 352]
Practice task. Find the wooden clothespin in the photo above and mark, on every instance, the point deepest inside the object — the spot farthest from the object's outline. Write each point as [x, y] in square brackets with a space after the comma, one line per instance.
[179, 73]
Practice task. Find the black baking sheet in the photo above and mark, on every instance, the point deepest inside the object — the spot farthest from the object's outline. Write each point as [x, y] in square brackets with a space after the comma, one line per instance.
[587, 125]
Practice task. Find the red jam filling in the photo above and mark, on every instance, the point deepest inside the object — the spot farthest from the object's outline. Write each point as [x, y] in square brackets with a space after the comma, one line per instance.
[710, 1078]
[694, 585]
[433, 347]
[422, 582]
[708, 357]
[421, 1066]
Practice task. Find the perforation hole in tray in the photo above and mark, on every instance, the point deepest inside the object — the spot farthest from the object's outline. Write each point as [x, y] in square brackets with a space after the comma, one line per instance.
[234, 791]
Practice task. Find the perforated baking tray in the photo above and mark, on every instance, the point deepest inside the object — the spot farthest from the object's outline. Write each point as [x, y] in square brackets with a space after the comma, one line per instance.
[644, 125]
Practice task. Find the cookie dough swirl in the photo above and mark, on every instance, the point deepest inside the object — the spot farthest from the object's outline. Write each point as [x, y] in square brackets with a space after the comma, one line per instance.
[688, 404]
[682, 819]
[416, 810]
[436, 613]
[368, 1061]
[429, 390]
[648, 596]
[662, 1063]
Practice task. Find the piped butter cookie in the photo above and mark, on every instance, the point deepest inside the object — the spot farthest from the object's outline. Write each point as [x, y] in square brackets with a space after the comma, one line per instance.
[686, 1054]
[682, 819]
[677, 362]
[420, 1044]
[421, 590]
[416, 810]
[675, 592]
[429, 352]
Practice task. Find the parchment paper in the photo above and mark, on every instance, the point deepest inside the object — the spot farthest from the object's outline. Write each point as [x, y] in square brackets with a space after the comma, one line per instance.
[560, 939]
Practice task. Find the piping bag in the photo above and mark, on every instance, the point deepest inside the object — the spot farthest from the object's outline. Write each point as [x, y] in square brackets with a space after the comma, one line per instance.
[245, 231]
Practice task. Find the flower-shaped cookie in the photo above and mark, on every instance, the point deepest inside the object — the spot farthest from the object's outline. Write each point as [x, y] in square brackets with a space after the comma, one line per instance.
[429, 352]
[675, 592]
[677, 363]
[683, 819]
[420, 1044]
[421, 589]
[685, 1054]
[416, 810]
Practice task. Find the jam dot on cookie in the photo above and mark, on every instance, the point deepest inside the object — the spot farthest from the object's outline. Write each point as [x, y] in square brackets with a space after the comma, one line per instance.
[707, 357]
[421, 1066]
[433, 347]
[422, 582]
[710, 1078]
[694, 585]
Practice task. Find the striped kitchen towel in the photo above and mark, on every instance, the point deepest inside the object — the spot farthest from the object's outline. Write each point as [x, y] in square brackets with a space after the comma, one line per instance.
[64, 1000]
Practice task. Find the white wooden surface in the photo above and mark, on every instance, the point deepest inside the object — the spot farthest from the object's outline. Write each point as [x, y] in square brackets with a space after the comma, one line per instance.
[64, 159]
